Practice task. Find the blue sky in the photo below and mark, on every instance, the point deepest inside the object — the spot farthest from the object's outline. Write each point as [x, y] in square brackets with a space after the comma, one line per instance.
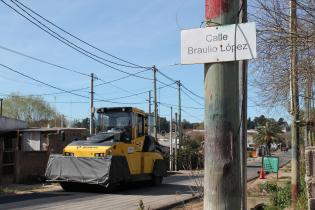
[143, 32]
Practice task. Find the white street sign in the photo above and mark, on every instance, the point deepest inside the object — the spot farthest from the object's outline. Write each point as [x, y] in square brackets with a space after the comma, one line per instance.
[217, 44]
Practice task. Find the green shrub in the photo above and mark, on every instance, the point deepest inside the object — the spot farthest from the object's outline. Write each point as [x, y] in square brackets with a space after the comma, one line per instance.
[269, 187]
[282, 197]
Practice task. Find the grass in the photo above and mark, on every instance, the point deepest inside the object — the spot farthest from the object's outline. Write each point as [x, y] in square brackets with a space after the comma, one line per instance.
[5, 190]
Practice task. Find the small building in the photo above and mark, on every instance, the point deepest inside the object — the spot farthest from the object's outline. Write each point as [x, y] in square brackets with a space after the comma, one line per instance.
[34, 147]
[8, 143]
[24, 152]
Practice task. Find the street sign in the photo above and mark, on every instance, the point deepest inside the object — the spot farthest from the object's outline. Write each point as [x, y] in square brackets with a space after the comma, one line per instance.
[218, 44]
[271, 164]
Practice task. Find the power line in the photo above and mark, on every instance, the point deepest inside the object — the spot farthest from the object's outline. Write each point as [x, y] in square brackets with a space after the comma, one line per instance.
[192, 92]
[169, 106]
[44, 83]
[67, 91]
[197, 118]
[112, 62]
[71, 70]
[43, 61]
[197, 102]
[72, 45]
[187, 107]
[77, 38]
[169, 78]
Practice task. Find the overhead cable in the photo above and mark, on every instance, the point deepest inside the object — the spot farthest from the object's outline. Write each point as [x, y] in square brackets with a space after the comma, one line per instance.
[79, 39]
[70, 44]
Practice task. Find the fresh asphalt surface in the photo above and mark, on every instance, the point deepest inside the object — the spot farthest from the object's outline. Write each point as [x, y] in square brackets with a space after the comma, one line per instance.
[174, 189]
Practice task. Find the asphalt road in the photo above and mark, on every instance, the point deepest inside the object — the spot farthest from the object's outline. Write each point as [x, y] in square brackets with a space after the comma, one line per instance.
[175, 189]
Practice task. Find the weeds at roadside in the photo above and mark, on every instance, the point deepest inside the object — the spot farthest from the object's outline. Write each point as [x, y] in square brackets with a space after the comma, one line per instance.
[6, 190]
[280, 197]
[141, 206]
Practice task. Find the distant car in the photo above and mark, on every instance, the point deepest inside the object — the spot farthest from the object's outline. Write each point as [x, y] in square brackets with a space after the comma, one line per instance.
[251, 152]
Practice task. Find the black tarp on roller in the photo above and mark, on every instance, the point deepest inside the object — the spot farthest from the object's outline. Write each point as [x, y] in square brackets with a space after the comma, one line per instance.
[103, 171]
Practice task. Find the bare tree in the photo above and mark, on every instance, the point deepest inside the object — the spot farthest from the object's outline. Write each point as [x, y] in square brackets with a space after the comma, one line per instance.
[272, 68]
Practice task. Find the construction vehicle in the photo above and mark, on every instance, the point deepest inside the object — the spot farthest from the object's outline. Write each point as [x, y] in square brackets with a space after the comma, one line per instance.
[121, 151]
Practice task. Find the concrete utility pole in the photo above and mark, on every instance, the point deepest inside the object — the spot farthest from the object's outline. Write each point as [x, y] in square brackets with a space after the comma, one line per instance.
[171, 140]
[149, 117]
[92, 105]
[1, 101]
[222, 179]
[294, 105]
[179, 114]
[155, 103]
[175, 155]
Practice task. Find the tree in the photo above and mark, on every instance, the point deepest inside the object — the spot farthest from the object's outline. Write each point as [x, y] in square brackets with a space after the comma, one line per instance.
[260, 121]
[268, 133]
[187, 125]
[272, 68]
[84, 123]
[32, 109]
[250, 124]
[164, 124]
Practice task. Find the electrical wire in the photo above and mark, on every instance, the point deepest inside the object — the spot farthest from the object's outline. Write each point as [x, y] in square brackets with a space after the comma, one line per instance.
[192, 98]
[186, 107]
[77, 38]
[60, 89]
[112, 62]
[71, 70]
[72, 45]
[192, 92]
[169, 78]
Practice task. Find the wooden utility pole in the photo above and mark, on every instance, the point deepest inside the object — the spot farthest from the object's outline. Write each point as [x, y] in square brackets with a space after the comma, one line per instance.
[1, 101]
[294, 105]
[171, 140]
[149, 117]
[92, 105]
[180, 135]
[222, 179]
[243, 66]
[155, 103]
[176, 131]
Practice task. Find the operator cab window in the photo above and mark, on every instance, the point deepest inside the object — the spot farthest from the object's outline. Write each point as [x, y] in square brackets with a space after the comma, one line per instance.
[140, 127]
[116, 122]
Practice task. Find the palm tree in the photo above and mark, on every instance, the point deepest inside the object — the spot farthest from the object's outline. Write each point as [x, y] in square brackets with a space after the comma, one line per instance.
[266, 134]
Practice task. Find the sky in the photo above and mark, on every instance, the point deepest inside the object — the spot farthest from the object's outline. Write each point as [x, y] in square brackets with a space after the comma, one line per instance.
[143, 32]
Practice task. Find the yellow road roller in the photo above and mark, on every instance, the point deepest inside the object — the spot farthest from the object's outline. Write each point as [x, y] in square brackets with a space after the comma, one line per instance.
[121, 151]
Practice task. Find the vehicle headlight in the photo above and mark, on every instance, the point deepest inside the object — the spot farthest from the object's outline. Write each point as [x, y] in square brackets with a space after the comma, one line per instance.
[69, 154]
[99, 154]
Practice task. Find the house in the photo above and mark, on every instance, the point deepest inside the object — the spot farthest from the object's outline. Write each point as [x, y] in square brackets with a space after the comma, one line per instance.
[34, 147]
[24, 151]
[8, 143]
